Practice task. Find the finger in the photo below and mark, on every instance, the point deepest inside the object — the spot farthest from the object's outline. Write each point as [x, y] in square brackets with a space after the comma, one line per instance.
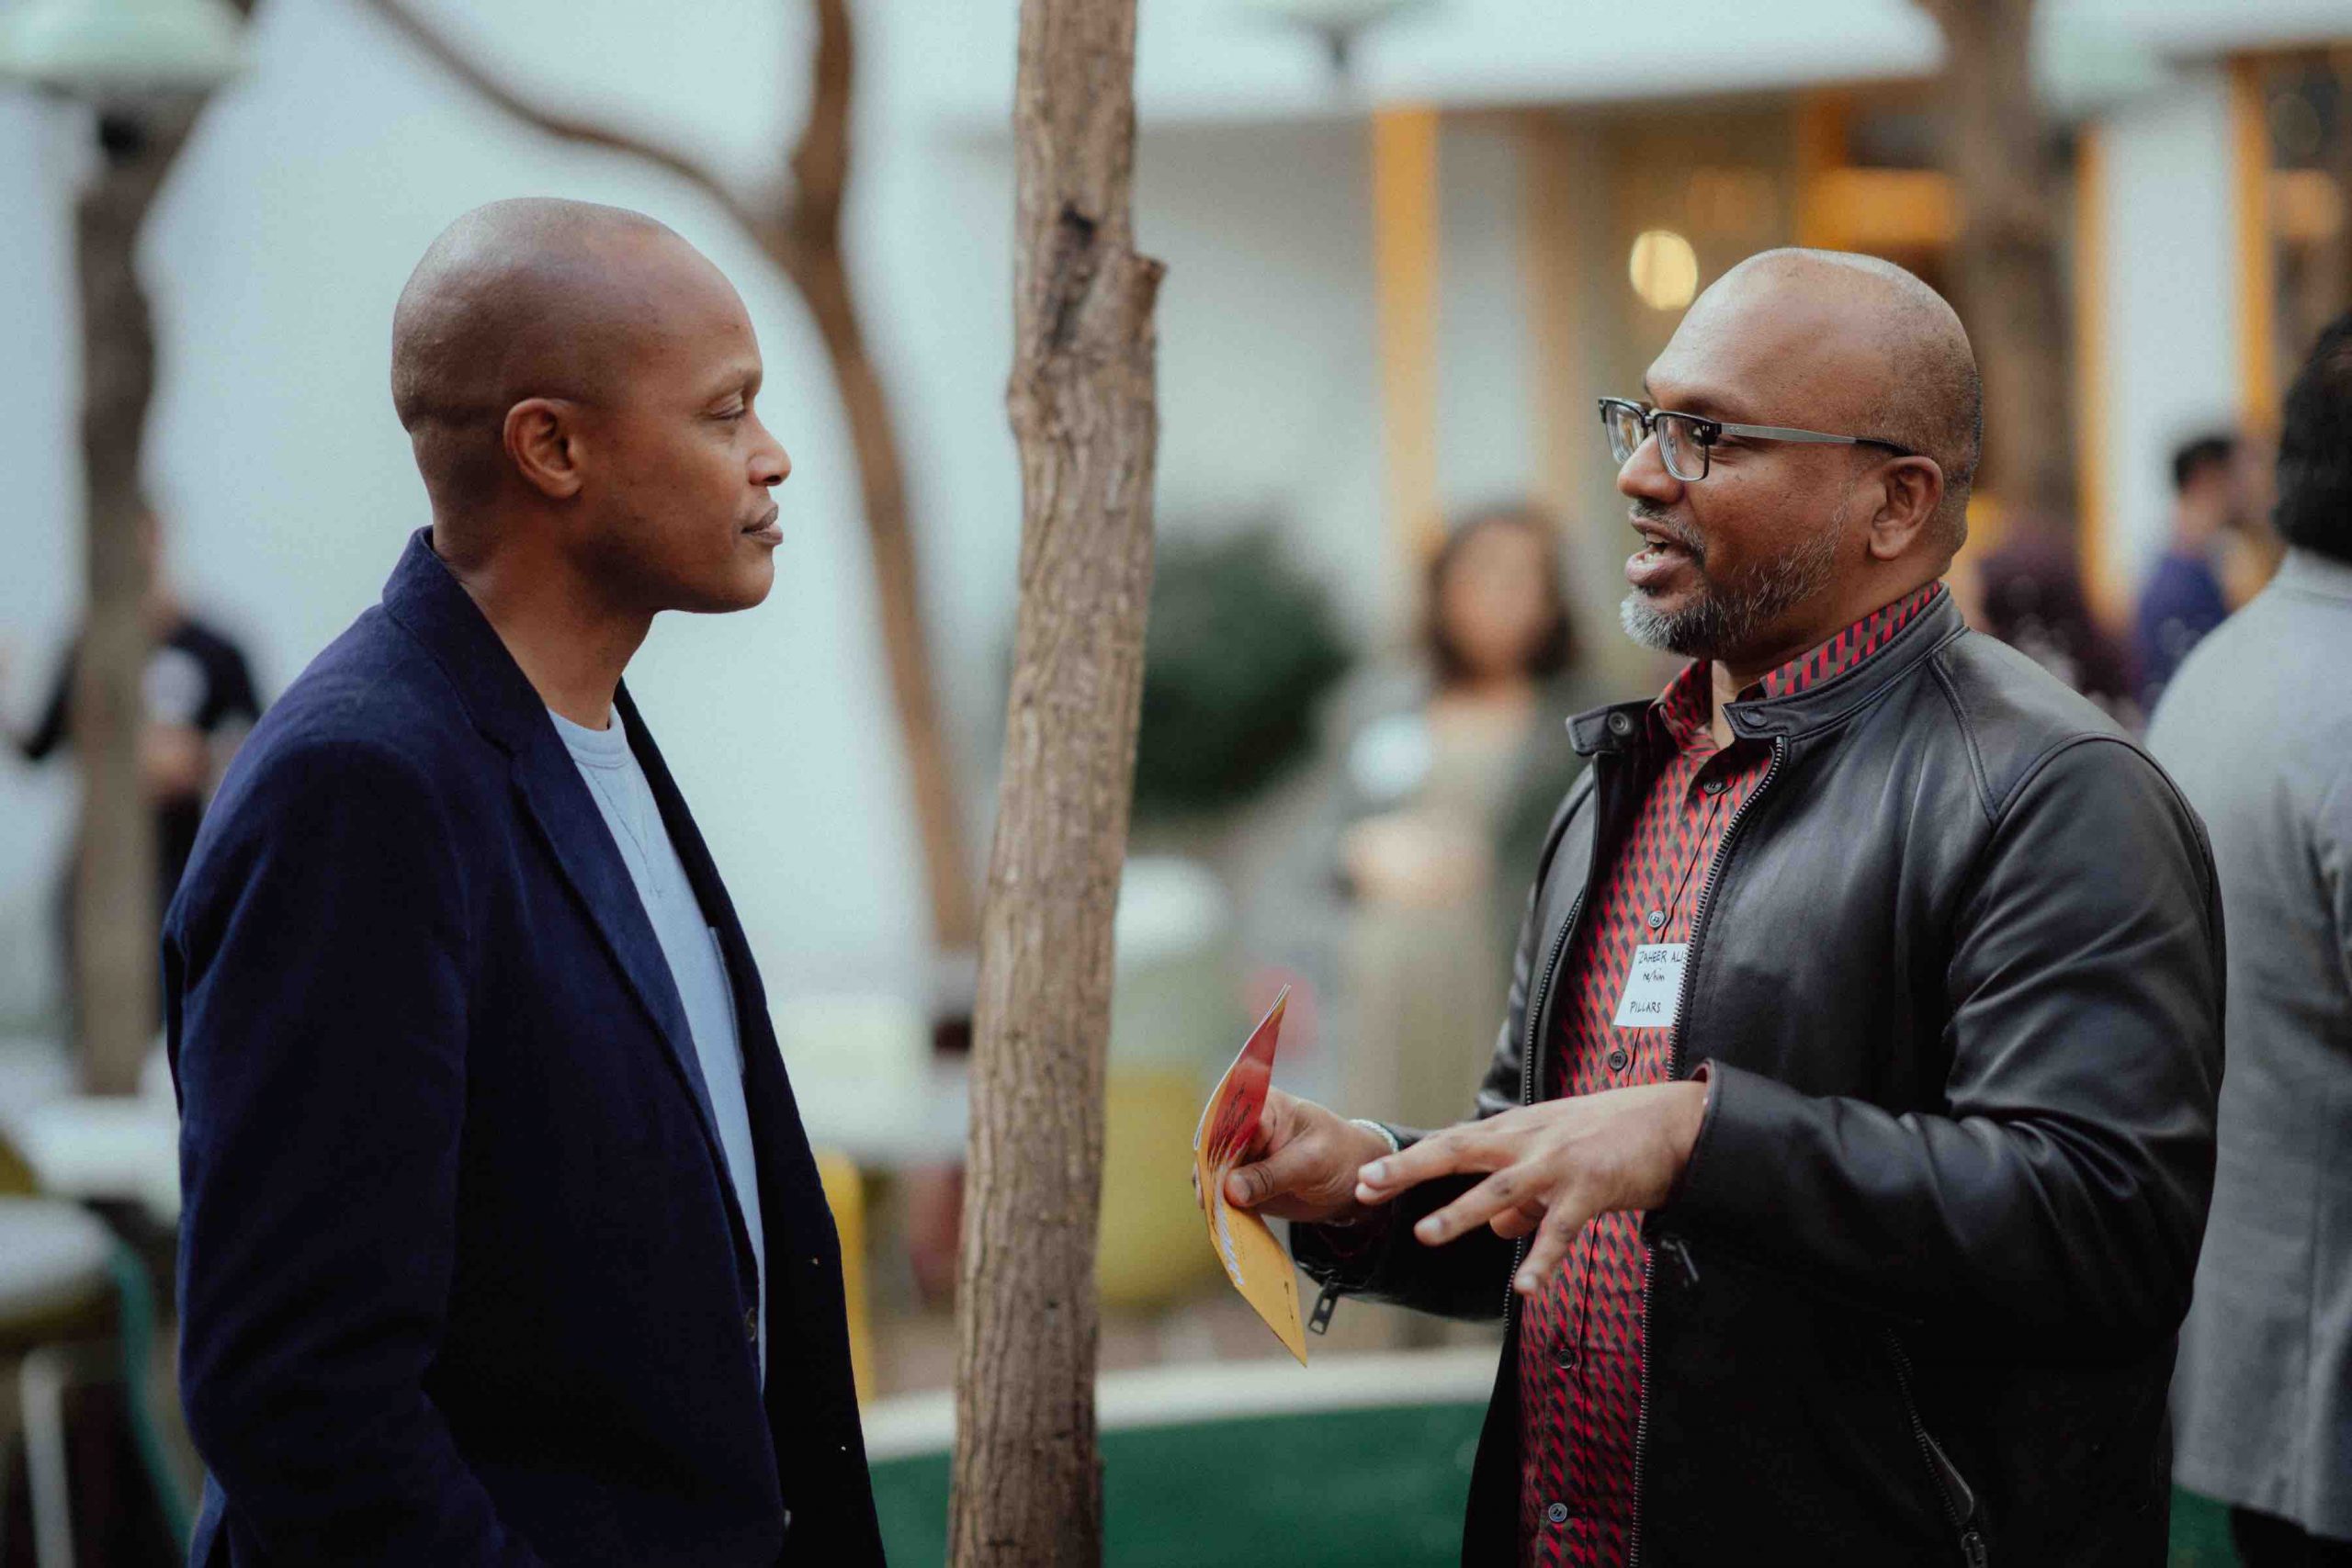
[1440, 1153]
[1512, 1223]
[1550, 1247]
[1503, 1191]
[1286, 1169]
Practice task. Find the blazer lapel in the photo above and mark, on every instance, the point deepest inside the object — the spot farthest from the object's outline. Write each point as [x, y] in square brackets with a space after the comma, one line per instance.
[576, 831]
[779, 1141]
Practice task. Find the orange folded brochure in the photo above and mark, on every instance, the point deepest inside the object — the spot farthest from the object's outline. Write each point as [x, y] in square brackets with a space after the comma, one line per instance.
[1256, 1263]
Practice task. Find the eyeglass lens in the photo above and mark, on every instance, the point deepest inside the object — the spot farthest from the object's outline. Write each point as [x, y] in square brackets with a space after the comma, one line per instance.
[1678, 447]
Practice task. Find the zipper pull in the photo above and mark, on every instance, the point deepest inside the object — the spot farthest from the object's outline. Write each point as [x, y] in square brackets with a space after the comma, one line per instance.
[1320, 1320]
[1972, 1546]
[1680, 1253]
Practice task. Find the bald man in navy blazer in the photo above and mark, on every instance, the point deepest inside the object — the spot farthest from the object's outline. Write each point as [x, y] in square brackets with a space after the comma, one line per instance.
[503, 1240]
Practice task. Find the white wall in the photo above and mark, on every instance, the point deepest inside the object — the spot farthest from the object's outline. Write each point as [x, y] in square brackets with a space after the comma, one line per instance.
[2171, 287]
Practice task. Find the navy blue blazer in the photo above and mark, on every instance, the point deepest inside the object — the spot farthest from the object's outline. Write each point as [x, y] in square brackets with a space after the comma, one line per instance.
[462, 1278]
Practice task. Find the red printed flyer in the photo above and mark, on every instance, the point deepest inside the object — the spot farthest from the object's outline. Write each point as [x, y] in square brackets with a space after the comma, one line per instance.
[1256, 1263]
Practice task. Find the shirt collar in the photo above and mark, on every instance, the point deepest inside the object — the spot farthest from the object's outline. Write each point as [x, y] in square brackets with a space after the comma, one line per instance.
[1687, 706]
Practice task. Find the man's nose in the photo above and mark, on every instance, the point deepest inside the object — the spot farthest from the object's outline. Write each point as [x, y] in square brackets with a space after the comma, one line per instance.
[771, 465]
[1643, 477]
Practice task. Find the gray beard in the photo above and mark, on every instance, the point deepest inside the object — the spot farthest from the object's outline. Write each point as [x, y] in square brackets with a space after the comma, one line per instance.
[1719, 625]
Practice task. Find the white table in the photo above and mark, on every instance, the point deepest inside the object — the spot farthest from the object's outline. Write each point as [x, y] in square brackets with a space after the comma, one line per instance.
[105, 1149]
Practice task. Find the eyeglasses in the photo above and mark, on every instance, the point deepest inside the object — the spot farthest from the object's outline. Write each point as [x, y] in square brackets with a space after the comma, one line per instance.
[1684, 440]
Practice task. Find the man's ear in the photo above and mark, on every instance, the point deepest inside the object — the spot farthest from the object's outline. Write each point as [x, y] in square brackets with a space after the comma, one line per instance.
[539, 436]
[1912, 490]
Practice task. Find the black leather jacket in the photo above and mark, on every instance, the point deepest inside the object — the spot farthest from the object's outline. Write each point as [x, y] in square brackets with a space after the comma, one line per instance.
[1957, 967]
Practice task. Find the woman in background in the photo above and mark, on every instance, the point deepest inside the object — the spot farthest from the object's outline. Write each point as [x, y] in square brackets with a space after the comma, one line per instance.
[1449, 778]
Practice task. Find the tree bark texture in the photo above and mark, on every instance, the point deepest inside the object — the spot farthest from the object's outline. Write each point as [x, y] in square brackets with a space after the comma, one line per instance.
[1027, 1482]
[114, 917]
[801, 234]
[2012, 283]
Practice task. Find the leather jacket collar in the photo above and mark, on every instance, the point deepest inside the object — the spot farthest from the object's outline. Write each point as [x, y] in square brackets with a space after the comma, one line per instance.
[1620, 727]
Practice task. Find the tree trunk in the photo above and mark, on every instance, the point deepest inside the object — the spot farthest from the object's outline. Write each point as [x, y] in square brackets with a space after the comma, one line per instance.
[1027, 1485]
[2012, 288]
[113, 914]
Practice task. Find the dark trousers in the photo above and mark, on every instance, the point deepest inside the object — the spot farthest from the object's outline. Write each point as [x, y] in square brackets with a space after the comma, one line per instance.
[2265, 1541]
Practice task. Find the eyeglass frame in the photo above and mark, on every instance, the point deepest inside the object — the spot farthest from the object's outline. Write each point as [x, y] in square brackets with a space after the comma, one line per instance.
[1706, 432]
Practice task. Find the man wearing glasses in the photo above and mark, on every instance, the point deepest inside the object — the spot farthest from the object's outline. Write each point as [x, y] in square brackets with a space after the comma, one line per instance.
[1841, 1168]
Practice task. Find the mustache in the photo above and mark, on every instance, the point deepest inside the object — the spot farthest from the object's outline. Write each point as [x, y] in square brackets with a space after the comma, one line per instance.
[1656, 518]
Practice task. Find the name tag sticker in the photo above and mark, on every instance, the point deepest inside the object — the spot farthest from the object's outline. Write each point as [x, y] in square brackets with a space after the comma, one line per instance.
[1652, 986]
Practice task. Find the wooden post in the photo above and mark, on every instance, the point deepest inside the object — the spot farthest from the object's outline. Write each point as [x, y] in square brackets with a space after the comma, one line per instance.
[114, 914]
[1405, 279]
[1027, 1481]
[2259, 393]
[2011, 292]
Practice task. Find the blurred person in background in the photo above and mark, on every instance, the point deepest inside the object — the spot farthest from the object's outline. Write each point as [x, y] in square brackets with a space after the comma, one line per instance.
[2257, 726]
[1449, 774]
[2028, 593]
[502, 1242]
[1842, 1160]
[2184, 598]
[200, 700]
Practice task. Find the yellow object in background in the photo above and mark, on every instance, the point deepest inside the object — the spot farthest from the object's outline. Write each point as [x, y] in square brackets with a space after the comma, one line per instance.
[846, 1195]
[1147, 1256]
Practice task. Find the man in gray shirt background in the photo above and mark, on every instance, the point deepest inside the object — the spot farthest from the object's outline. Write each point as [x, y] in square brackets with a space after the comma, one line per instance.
[2257, 730]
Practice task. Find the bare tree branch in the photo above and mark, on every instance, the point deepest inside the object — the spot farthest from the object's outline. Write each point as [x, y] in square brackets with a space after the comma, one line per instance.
[446, 53]
[820, 162]
[808, 245]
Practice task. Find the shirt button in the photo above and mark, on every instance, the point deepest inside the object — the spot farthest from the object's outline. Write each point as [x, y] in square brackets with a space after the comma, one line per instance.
[1655, 919]
[1564, 1358]
[1617, 1060]
[1713, 786]
[1558, 1513]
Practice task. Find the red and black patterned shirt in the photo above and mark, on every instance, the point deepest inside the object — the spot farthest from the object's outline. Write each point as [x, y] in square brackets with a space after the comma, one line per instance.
[1580, 1369]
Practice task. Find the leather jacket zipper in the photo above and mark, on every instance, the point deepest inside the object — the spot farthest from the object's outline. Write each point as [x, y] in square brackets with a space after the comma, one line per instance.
[1952, 1487]
[1698, 912]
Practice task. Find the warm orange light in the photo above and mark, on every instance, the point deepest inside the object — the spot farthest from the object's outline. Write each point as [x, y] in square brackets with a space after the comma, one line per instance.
[1664, 269]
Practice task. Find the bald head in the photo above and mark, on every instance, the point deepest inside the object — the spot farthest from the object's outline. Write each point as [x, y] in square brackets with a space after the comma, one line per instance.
[532, 298]
[1831, 337]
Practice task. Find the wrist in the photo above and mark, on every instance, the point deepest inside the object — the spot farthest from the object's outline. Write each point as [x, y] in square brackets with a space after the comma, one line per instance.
[1370, 1141]
[1690, 1118]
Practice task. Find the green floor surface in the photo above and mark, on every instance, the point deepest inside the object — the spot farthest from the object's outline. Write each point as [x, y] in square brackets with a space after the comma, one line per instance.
[1339, 1489]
